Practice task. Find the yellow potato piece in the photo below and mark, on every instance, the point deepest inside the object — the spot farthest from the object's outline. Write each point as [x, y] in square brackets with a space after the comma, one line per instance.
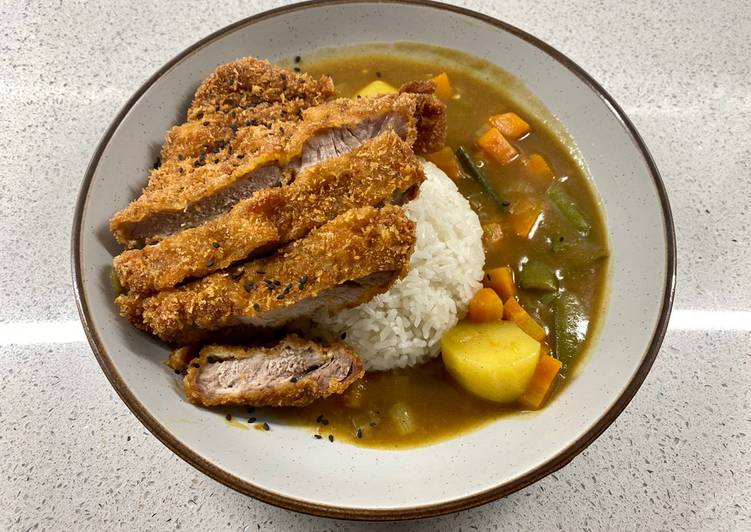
[494, 360]
[376, 88]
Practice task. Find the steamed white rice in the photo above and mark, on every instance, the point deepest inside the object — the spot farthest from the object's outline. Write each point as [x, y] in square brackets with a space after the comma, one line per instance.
[403, 327]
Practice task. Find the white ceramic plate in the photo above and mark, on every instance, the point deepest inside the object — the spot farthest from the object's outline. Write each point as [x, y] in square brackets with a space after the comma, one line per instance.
[286, 466]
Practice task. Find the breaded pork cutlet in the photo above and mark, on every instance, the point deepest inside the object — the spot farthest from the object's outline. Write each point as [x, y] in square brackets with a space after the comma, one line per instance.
[341, 264]
[242, 93]
[295, 372]
[326, 131]
[379, 172]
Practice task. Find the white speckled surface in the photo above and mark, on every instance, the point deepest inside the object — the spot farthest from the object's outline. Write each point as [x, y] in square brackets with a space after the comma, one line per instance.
[73, 456]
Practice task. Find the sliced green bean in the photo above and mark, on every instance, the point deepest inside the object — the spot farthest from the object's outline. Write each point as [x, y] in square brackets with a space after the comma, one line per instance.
[568, 207]
[570, 325]
[478, 175]
[536, 275]
[579, 252]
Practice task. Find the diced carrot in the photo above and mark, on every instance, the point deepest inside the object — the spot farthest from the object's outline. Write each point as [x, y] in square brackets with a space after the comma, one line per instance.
[443, 88]
[539, 170]
[510, 125]
[496, 145]
[485, 306]
[539, 387]
[526, 213]
[513, 311]
[502, 281]
[492, 235]
[446, 160]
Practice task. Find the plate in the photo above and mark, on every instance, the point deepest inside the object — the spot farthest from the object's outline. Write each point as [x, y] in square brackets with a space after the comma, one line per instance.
[287, 467]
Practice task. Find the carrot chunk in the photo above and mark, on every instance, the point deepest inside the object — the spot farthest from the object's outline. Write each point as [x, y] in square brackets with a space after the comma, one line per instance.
[539, 170]
[542, 380]
[446, 160]
[513, 311]
[443, 88]
[485, 306]
[525, 215]
[502, 281]
[509, 124]
[496, 145]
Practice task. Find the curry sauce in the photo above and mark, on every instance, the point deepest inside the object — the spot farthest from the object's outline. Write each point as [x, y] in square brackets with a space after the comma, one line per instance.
[372, 412]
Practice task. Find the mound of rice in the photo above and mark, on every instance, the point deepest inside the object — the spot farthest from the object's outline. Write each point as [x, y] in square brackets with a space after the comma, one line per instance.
[403, 326]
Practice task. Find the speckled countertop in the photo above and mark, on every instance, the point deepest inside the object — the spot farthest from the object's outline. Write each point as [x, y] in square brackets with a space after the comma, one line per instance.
[73, 457]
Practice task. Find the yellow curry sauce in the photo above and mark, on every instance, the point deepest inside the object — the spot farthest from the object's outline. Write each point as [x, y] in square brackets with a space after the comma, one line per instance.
[438, 407]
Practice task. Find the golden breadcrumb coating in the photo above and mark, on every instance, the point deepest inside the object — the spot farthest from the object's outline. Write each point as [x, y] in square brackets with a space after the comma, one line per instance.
[372, 174]
[353, 246]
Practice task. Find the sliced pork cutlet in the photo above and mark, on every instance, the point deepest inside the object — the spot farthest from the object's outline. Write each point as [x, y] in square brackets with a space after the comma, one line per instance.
[326, 131]
[242, 93]
[343, 263]
[295, 372]
[382, 171]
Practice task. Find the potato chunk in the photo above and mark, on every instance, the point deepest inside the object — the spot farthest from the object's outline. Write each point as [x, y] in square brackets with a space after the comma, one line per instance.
[494, 360]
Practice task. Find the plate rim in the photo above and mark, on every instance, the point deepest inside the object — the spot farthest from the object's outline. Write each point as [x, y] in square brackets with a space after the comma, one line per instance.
[551, 465]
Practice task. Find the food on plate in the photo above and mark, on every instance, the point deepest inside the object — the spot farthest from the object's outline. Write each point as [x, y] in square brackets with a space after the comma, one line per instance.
[385, 248]
[195, 193]
[342, 263]
[381, 171]
[294, 372]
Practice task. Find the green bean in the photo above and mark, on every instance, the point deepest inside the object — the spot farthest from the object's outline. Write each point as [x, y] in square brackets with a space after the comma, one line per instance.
[568, 207]
[579, 252]
[478, 175]
[570, 325]
[535, 275]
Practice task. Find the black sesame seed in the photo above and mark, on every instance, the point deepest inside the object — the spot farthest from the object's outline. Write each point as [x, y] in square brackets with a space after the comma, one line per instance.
[205, 122]
[372, 423]
[256, 307]
[319, 418]
[199, 116]
[210, 263]
[266, 426]
[177, 371]
[251, 420]
[215, 245]
[378, 73]
[157, 163]
[236, 274]
[229, 417]
[259, 272]
[277, 283]
[302, 280]
[324, 421]
[288, 288]
[281, 296]
[331, 437]
[296, 69]
[293, 380]
[269, 284]
[180, 170]
[343, 335]
[560, 239]
[195, 365]
[317, 436]
[359, 433]
[180, 157]
[249, 287]
[506, 203]
[297, 59]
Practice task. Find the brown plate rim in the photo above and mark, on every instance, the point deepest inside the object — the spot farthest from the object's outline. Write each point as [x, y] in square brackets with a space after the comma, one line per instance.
[502, 490]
